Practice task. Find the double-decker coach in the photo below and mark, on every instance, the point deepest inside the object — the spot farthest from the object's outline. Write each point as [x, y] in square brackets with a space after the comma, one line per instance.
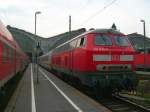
[12, 59]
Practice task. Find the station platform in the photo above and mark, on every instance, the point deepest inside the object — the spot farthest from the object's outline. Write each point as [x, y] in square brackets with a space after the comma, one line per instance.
[49, 95]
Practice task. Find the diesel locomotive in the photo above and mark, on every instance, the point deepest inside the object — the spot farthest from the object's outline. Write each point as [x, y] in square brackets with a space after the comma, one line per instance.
[99, 59]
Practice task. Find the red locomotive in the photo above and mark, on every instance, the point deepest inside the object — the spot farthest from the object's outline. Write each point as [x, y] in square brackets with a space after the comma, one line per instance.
[12, 59]
[98, 59]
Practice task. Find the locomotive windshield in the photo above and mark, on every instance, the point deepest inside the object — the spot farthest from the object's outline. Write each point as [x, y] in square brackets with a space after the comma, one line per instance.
[102, 40]
[121, 41]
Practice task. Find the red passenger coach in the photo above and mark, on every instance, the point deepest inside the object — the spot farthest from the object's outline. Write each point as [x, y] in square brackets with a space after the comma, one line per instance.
[98, 59]
[12, 59]
[142, 61]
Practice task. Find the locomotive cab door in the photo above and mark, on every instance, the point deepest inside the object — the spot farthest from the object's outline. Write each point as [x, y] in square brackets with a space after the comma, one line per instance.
[71, 54]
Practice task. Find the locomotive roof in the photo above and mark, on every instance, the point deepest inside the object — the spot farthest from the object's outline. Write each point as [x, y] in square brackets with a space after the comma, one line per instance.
[91, 31]
[105, 31]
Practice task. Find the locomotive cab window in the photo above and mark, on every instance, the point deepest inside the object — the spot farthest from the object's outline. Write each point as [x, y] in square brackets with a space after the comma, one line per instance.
[121, 41]
[102, 40]
[81, 42]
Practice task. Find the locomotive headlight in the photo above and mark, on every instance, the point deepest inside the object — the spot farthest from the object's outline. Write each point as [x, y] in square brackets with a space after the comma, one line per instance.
[127, 67]
[126, 57]
[101, 57]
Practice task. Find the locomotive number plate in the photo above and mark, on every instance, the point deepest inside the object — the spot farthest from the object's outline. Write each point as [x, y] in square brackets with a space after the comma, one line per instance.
[115, 57]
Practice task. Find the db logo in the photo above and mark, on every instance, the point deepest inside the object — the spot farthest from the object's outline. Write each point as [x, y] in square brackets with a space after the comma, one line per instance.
[115, 57]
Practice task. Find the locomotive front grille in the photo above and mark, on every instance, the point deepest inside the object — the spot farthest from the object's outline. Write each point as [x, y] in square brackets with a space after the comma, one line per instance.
[113, 67]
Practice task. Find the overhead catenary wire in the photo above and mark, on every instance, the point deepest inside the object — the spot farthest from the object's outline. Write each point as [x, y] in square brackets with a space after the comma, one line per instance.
[96, 13]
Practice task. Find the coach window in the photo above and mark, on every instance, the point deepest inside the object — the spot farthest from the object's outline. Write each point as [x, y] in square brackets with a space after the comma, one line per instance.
[11, 55]
[5, 51]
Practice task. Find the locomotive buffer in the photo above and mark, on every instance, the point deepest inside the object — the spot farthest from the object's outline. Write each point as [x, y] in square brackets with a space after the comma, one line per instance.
[50, 95]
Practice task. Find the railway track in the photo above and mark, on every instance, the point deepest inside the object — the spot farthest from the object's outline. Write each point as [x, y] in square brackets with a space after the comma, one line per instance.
[143, 75]
[119, 104]
[116, 103]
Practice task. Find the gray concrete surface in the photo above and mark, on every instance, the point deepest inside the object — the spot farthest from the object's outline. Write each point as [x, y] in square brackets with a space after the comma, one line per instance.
[50, 95]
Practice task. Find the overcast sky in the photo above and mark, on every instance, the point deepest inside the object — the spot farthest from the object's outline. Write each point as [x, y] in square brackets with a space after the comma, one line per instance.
[126, 14]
